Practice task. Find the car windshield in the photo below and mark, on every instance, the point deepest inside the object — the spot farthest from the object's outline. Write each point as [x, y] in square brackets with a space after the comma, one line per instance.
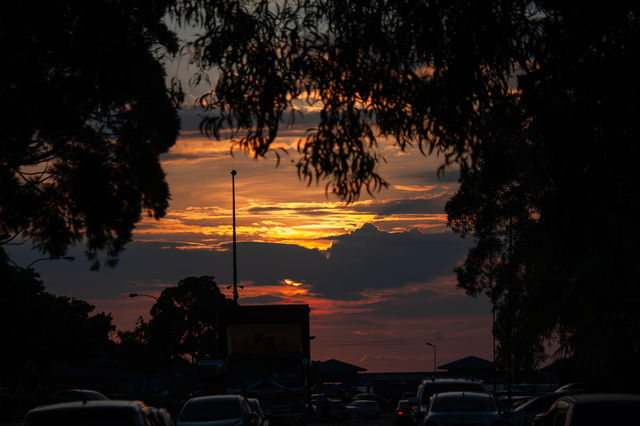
[431, 388]
[207, 410]
[463, 404]
[103, 417]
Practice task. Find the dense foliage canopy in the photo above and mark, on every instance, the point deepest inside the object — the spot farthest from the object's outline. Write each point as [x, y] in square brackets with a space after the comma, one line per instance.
[86, 114]
[538, 103]
[187, 323]
[42, 332]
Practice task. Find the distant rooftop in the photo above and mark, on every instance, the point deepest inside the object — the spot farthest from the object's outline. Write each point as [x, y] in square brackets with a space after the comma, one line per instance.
[470, 362]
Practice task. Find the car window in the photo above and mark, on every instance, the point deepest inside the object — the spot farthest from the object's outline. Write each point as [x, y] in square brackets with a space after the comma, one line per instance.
[463, 404]
[83, 418]
[431, 388]
[208, 410]
[403, 405]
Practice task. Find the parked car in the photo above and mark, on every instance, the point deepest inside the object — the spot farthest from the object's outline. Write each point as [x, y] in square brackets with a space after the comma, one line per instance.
[217, 410]
[465, 408]
[90, 413]
[523, 414]
[256, 407]
[428, 388]
[382, 402]
[594, 409]
[69, 395]
[403, 416]
[364, 408]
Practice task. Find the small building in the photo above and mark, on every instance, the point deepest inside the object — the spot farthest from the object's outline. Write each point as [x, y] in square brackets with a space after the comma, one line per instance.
[470, 367]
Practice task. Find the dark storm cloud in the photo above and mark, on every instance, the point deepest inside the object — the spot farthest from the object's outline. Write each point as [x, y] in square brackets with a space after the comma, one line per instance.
[405, 206]
[418, 205]
[191, 116]
[364, 259]
[370, 258]
[431, 177]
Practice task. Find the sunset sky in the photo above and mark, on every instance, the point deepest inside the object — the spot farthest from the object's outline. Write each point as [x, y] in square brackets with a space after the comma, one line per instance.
[377, 274]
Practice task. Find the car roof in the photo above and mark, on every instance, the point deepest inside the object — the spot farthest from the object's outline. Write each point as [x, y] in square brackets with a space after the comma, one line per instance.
[216, 397]
[599, 397]
[88, 405]
[425, 381]
[463, 394]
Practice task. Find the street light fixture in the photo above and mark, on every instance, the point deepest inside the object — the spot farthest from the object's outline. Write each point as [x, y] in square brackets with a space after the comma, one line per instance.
[434, 357]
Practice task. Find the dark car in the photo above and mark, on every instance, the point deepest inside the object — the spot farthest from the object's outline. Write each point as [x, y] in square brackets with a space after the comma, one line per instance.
[217, 410]
[382, 402]
[90, 413]
[463, 408]
[594, 409]
[403, 416]
[428, 388]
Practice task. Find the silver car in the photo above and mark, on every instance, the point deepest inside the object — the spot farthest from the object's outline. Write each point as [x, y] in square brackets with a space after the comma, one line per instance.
[462, 408]
[217, 410]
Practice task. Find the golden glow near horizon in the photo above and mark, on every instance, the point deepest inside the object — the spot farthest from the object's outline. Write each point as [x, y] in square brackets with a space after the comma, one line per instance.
[287, 281]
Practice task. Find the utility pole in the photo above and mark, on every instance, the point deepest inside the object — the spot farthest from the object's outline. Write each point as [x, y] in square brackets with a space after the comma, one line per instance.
[235, 267]
[434, 358]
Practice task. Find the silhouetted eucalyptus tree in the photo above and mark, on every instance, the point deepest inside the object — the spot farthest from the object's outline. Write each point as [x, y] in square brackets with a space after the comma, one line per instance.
[86, 113]
[40, 329]
[537, 102]
[187, 322]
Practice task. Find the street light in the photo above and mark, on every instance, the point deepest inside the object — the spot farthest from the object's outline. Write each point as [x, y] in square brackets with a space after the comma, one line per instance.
[142, 295]
[434, 357]
[68, 258]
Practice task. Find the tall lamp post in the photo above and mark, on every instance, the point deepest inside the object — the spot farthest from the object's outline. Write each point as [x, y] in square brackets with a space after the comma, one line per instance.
[235, 268]
[434, 357]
